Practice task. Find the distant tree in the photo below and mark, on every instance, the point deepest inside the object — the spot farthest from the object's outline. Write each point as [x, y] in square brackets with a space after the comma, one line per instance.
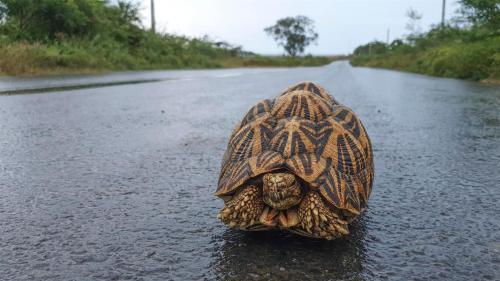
[129, 12]
[294, 34]
[481, 11]
[396, 43]
[372, 48]
[413, 24]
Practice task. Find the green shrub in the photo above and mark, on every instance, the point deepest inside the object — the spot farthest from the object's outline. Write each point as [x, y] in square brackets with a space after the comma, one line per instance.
[477, 60]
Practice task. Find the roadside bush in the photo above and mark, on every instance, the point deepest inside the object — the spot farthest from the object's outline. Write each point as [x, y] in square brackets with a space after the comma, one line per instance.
[468, 49]
[477, 60]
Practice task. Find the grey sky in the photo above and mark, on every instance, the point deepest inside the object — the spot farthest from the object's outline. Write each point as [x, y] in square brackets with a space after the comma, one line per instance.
[342, 24]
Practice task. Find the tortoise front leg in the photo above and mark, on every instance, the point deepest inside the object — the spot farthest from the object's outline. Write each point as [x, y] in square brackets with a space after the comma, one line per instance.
[318, 220]
[244, 209]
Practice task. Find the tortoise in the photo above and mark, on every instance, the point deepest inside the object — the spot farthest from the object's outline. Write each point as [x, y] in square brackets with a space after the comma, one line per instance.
[301, 162]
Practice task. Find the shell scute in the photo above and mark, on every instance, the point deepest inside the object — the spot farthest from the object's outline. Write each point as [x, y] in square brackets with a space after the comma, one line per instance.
[261, 108]
[312, 88]
[301, 104]
[290, 137]
[253, 138]
[238, 172]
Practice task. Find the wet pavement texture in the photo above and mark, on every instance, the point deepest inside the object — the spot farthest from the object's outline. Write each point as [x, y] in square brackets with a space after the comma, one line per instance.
[25, 84]
[117, 183]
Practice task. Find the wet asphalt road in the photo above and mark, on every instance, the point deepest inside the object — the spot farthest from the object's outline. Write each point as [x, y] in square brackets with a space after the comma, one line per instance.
[116, 183]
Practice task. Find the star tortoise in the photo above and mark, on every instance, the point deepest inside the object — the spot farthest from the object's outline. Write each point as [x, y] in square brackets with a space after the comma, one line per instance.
[301, 162]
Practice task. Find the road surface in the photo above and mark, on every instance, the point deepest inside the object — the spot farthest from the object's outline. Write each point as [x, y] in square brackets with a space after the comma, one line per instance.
[116, 183]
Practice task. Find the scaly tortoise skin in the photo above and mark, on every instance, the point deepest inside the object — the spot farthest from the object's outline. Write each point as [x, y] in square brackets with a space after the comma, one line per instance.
[301, 162]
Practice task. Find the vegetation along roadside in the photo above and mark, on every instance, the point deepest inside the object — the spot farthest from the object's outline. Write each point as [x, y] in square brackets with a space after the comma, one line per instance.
[467, 47]
[87, 36]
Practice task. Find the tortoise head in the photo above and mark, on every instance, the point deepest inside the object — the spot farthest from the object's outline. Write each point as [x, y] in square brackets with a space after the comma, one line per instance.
[281, 190]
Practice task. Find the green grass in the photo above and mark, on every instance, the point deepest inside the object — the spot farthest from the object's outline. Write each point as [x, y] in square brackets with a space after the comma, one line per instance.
[85, 56]
[478, 60]
[278, 61]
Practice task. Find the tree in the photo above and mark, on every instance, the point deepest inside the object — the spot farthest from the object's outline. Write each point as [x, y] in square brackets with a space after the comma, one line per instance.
[372, 48]
[481, 11]
[47, 20]
[293, 34]
[129, 12]
[43, 19]
[413, 24]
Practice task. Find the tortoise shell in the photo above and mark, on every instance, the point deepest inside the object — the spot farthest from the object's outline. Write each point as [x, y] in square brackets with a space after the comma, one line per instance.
[307, 132]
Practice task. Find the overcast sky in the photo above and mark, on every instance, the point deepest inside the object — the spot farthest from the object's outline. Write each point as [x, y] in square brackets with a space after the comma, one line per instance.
[342, 24]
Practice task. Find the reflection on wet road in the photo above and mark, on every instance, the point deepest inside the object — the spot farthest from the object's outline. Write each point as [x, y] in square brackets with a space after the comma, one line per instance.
[117, 183]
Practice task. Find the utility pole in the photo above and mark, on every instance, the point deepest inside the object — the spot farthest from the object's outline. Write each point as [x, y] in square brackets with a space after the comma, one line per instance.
[388, 36]
[153, 23]
[442, 13]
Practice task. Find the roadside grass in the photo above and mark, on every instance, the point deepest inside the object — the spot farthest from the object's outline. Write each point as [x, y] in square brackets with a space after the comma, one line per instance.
[279, 61]
[94, 56]
[478, 60]
[80, 56]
